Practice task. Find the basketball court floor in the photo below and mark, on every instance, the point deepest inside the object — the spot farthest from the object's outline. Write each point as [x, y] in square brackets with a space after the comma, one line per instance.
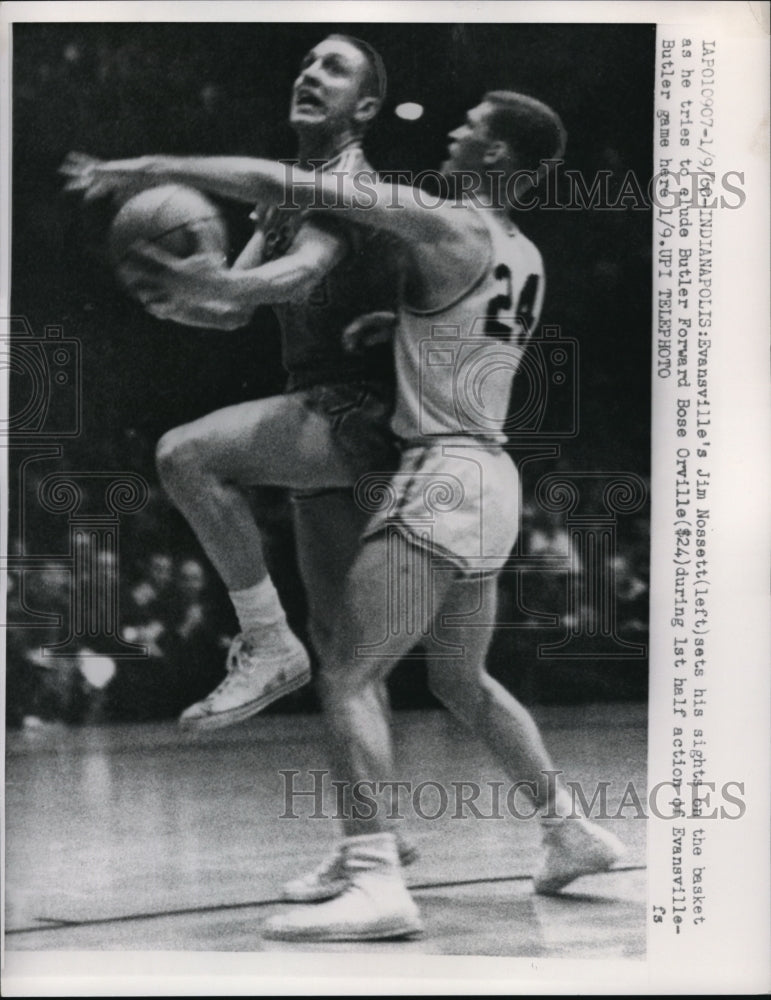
[140, 838]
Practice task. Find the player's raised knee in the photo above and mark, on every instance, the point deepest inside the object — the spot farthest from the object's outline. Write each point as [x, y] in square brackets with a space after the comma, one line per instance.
[177, 454]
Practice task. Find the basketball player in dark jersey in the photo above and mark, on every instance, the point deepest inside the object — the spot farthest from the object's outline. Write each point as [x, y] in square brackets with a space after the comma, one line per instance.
[329, 427]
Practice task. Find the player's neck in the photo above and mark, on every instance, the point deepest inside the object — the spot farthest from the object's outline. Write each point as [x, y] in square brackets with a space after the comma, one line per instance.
[316, 145]
[486, 194]
[484, 199]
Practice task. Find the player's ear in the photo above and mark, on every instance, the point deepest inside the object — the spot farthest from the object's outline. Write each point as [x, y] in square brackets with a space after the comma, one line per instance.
[496, 151]
[366, 109]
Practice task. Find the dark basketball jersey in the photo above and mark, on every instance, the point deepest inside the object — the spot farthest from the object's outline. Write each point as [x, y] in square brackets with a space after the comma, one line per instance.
[365, 280]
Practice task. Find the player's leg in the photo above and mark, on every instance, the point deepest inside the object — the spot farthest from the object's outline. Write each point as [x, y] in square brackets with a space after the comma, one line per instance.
[573, 846]
[328, 525]
[329, 522]
[206, 467]
[327, 528]
[387, 606]
[356, 608]
[482, 703]
[392, 596]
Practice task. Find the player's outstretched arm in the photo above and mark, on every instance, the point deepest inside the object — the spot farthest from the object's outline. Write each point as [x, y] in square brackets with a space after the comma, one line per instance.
[397, 208]
[199, 291]
[233, 177]
[229, 177]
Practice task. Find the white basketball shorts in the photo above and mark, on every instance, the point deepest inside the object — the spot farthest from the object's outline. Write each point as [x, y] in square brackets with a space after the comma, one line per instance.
[456, 497]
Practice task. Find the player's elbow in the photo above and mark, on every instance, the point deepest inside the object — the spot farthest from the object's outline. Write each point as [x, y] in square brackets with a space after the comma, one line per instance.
[235, 318]
[231, 315]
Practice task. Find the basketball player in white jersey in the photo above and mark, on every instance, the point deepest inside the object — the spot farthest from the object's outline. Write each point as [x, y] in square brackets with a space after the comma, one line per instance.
[447, 519]
[442, 525]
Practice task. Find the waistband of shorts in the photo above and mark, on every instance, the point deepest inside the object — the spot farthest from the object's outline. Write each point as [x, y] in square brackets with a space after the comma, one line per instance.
[454, 440]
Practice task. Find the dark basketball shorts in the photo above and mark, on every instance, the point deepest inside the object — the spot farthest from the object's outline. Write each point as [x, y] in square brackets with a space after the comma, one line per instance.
[359, 415]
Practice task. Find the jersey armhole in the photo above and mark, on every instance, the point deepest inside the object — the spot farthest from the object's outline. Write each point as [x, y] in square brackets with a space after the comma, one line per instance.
[467, 289]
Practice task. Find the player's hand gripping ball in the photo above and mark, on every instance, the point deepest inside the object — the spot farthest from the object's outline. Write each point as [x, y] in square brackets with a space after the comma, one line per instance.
[173, 218]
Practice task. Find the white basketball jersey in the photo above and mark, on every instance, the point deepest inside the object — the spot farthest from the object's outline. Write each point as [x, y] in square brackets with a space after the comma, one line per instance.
[455, 365]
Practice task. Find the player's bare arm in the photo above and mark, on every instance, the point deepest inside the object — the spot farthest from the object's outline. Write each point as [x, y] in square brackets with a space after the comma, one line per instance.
[398, 207]
[226, 176]
[198, 291]
[446, 235]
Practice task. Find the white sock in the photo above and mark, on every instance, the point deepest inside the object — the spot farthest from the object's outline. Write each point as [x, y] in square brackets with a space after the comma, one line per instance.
[257, 606]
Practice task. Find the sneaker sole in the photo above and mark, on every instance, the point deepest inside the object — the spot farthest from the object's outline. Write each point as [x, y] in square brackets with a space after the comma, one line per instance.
[319, 897]
[220, 720]
[404, 930]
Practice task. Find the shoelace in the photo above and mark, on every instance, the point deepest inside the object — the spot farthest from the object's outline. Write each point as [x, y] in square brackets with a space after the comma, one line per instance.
[231, 666]
[234, 653]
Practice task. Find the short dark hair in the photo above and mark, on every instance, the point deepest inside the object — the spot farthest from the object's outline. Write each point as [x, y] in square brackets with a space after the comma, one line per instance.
[376, 80]
[532, 131]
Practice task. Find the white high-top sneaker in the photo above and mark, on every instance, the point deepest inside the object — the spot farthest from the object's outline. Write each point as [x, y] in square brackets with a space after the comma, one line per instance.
[257, 676]
[374, 904]
[330, 878]
[574, 847]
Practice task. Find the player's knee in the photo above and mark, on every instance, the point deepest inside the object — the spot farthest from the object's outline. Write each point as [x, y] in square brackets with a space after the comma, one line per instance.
[177, 456]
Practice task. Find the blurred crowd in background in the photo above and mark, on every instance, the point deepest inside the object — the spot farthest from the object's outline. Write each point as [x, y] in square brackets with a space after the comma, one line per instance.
[117, 90]
[171, 604]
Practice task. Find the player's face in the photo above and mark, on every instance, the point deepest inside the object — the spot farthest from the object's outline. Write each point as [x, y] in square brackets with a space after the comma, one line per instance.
[327, 90]
[470, 142]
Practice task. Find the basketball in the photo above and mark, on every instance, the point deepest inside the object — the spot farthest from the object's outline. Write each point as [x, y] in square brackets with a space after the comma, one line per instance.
[179, 219]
